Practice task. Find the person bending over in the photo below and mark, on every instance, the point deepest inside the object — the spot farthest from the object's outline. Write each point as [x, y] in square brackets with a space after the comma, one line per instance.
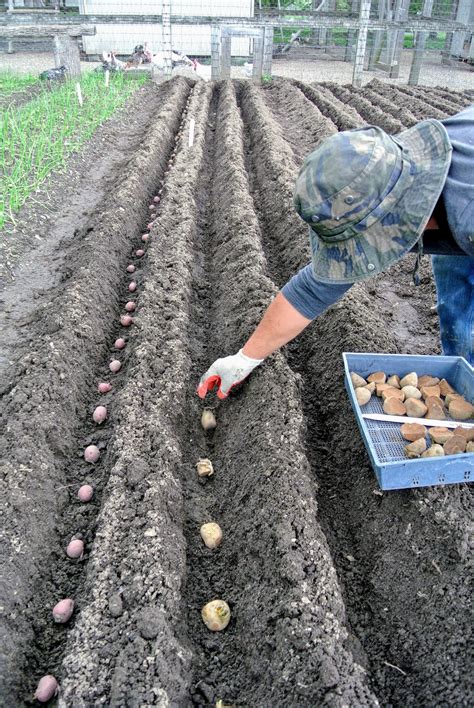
[369, 198]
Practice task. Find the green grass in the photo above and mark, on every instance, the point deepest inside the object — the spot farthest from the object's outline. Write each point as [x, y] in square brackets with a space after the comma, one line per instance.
[37, 137]
[10, 83]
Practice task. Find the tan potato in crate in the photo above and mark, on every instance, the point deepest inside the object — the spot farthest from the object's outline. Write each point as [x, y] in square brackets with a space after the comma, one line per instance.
[435, 408]
[415, 408]
[427, 391]
[357, 380]
[409, 380]
[379, 377]
[391, 392]
[392, 406]
[416, 448]
[455, 445]
[466, 433]
[363, 395]
[427, 380]
[440, 435]
[445, 387]
[433, 451]
[459, 409]
[380, 388]
[411, 392]
[413, 431]
[394, 381]
[470, 446]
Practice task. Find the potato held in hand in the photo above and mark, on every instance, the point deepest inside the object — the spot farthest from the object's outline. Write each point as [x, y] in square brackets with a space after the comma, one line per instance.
[416, 448]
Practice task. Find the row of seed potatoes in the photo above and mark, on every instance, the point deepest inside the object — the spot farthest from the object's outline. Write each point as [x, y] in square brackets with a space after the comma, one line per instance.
[129, 639]
[63, 610]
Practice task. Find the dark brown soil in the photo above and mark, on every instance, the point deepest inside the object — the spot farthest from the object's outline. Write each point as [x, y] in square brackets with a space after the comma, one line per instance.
[340, 595]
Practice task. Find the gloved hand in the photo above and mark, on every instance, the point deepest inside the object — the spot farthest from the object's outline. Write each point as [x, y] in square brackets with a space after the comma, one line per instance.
[226, 373]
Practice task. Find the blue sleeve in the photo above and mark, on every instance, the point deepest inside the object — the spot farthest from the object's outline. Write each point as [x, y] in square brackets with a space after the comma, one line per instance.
[458, 192]
[309, 296]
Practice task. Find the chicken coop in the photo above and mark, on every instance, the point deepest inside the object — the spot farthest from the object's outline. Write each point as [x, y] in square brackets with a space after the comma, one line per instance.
[190, 37]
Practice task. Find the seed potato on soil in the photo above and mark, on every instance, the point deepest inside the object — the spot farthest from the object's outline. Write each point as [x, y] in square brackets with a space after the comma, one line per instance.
[227, 240]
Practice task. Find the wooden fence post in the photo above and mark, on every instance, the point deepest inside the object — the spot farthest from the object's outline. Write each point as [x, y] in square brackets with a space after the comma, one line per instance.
[66, 53]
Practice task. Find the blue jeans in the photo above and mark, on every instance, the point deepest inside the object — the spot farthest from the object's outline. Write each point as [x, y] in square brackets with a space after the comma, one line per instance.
[454, 276]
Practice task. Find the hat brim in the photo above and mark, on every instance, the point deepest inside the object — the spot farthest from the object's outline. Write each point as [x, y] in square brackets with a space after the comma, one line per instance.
[426, 153]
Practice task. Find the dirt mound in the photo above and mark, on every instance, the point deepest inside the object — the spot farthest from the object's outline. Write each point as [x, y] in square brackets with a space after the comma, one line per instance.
[340, 595]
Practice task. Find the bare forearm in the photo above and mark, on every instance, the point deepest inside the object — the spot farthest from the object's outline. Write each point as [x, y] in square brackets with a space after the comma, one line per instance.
[280, 324]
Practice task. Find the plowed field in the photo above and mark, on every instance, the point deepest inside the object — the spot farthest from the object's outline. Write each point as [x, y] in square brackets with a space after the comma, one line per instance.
[340, 595]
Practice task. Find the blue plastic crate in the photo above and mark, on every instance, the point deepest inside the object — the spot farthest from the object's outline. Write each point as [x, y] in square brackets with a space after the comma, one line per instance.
[384, 441]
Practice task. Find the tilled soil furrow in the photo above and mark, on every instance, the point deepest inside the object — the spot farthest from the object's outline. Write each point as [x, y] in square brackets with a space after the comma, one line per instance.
[46, 415]
[454, 99]
[401, 113]
[129, 645]
[383, 546]
[417, 106]
[373, 115]
[285, 643]
[431, 101]
[301, 121]
[344, 117]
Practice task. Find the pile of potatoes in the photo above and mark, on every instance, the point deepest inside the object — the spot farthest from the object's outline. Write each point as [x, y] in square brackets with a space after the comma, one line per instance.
[413, 395]
[420, 397]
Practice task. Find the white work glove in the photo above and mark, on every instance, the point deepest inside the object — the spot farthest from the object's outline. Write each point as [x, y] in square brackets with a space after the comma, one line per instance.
[226, 373]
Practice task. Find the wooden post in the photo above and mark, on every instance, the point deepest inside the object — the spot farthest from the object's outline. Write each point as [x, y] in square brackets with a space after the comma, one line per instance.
[420, 41]
[66, 53]
[361, 42]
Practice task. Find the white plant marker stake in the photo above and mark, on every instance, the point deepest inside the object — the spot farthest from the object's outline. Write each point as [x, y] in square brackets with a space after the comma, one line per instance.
[79, 93]
[107, 74]
[428, 422]
[191, 132]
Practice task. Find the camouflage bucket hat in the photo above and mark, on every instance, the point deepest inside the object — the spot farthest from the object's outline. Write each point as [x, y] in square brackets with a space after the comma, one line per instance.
[368, 197]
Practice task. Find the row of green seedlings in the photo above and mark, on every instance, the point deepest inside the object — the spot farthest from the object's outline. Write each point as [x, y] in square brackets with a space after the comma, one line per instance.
[48, 686]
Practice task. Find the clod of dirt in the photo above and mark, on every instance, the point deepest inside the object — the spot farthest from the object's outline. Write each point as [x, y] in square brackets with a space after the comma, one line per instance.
[413, 431]
[434, 451]
[415, 408]
[91, 453]
[459, 409]
[204, 467]
[363, 395]
[411, 392]
[46, 689]
[208, 419]
[394, 381]
[137, 472]
[357, 380]
[440, 435]
[409, 380]
[392, 406]
[455, 445]
[211, 534]
[150, 622]
[379, 377]
[216, 615]
[115, 604]
[416, 448]
[63, 610]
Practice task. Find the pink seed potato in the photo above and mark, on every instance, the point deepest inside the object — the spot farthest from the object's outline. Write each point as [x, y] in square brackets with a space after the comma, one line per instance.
[126, 320]
[140, 252]
[152, 207]
[120, 343]
[150, 226]
[145, 237]
[100, 414]
[130, 306]
[63, 610]
[104, 387]
[115, 366]
[75, 548]
[91, 453]
[132, 286]
[46, 689]
[131, 268]
[85, 493]
[156, 199]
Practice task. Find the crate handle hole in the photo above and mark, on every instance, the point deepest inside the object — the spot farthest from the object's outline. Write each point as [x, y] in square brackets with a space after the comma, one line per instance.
[416, 481]
[467, 474]
[442, 478]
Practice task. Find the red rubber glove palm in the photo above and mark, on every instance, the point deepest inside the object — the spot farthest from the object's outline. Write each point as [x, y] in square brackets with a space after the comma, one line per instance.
[226, 373]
